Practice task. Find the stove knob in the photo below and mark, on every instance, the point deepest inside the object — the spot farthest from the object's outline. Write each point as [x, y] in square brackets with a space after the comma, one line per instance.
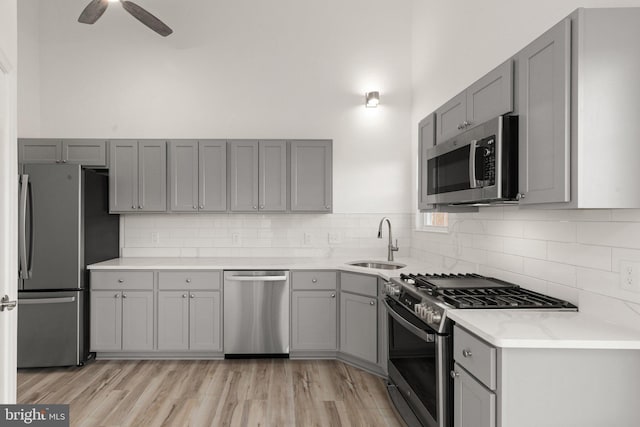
[436, 317]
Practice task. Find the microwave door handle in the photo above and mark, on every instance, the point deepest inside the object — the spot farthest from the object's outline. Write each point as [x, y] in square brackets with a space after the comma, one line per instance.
[473, 183]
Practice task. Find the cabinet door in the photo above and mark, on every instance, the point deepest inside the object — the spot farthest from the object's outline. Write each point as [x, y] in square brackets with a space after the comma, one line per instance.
[173, 320]
[106, 321]
[137, 320]
[473, 405]
[313, 320]
[450, 118]
[544, 103]
[213, 176]
[183, 176]
[205, 321]
[243, 161]
[273, 176]
[39, 151]
[311, 176]
[123, 176]
[492, 95]
[359, 326]
[426, 140]
[152, 175]
[86, 152]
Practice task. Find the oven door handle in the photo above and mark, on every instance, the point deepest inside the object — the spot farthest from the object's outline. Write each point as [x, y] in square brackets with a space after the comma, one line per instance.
[411, 327]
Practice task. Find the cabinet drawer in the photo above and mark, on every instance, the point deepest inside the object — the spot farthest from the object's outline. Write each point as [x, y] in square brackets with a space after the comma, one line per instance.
[313, 280]
[179, 280]
[121, 280]
[359, 284]
[476, 356]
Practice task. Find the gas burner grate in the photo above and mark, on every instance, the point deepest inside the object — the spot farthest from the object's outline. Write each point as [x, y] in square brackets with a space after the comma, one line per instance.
[501, 298]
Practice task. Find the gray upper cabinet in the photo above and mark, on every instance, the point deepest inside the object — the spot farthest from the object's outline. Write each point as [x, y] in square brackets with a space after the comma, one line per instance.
[272, 192]
[86, 152]
[426, 140]
[311, 176]
[244, 175]
[138, 176]
[544, 104]
[258, 173]
[212, 182]
[183, 176]
[197, 176]
[450, 117]
[492, 95]
[489, 97]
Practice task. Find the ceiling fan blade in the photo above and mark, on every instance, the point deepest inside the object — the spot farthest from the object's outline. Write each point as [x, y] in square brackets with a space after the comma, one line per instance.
[146, 18]
[93, 11]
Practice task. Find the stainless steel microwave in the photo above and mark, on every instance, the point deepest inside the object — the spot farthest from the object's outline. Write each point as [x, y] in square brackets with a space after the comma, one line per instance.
[476, 167]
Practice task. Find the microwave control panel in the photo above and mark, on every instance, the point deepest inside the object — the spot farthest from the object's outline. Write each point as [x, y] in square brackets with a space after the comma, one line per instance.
[486, 161]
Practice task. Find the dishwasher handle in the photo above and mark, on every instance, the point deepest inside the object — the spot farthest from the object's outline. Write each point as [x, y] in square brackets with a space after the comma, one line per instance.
[240, 278]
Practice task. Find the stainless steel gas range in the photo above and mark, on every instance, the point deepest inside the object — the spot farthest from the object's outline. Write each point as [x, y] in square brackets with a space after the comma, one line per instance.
[420, 335]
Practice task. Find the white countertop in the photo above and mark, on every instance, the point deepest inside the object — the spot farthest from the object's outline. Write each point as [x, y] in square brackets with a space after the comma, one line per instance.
[545, 329]
[501, 328]
[412, 265]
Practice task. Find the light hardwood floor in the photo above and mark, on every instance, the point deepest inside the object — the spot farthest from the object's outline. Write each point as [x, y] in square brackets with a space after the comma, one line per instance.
[260, 392]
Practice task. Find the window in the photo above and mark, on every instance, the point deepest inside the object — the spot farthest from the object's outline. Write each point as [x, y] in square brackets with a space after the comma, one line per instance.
[434, 221]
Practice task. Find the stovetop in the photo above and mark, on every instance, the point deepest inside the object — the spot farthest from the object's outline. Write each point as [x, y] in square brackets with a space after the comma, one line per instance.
[429, 296]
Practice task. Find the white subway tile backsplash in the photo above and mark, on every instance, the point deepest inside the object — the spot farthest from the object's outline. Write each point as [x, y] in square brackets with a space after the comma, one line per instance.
[551, 271]
[506, 262]
[525, 247]
[562, 231]
[618, 234]
[578, 254]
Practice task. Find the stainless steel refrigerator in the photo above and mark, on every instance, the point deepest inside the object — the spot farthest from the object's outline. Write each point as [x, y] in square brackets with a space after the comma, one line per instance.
[63, 225]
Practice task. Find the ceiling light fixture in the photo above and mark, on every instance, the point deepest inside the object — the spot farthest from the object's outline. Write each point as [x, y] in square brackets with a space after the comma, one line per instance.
[372, 99]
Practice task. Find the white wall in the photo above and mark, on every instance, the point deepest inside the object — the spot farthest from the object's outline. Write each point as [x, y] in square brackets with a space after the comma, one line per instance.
[242, 68]
[570, 254]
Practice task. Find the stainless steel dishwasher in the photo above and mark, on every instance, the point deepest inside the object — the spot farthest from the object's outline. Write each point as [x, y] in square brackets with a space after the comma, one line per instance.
[256, 313]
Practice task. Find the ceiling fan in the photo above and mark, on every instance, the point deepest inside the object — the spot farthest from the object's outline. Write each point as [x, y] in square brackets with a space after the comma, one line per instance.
[96, 8]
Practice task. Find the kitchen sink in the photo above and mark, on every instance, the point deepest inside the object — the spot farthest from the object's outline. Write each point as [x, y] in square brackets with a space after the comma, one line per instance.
[382, 265]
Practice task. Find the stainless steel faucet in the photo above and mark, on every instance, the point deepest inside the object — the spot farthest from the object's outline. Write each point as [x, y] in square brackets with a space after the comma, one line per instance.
[392, 248]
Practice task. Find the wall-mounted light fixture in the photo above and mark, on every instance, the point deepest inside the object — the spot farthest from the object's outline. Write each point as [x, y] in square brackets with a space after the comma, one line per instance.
[372, 99]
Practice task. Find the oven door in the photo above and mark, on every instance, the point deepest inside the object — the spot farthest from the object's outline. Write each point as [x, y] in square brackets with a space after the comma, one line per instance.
[419, 367]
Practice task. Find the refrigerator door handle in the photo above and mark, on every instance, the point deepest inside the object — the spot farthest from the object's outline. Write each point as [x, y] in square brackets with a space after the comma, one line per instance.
[31, 232]
[22, 226]
[24, 301]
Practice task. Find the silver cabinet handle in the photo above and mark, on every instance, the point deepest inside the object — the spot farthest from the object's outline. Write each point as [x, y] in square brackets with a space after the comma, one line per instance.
[333, 295]
[184, 295]
[64, 161]
[188, 280]
[140, 206]
[314, 280]
[201, 206]
[133, 206]
[454, 374]
[116, 296]
[466, 353]
[192, 296]
[327, 207]
[5, 304]
[372, 303]
[124, 295]
[519, 196]
[459, 126]
[255, 207]
[195, 207]
[120, 280]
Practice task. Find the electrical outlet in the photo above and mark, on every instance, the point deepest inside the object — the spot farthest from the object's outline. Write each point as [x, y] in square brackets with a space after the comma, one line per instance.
[155, 237]
[335, 238]
[307, 239]
[630, 276]
[235, 239]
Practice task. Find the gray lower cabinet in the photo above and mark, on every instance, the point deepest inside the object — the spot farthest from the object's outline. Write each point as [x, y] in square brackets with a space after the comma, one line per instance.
[197, 176]
[86, 152]
[189, 320]
[359, 326]
[121, 320]
[311, 176]
[544, 103]
[138, 176]
[473, 404]
[314, 320]
[488, 97]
